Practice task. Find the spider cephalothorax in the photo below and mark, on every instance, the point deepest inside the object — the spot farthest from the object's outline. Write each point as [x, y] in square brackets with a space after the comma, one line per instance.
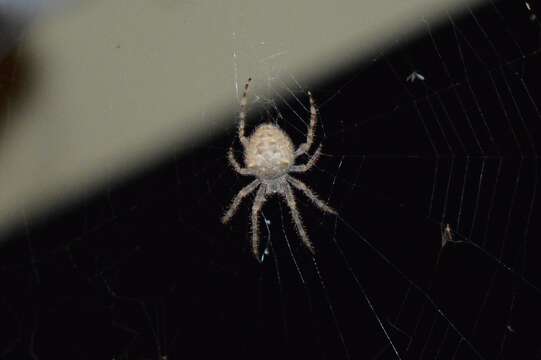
[269, 155]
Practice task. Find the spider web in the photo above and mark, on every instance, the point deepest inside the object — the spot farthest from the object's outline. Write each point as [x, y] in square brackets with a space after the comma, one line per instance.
[431, 159]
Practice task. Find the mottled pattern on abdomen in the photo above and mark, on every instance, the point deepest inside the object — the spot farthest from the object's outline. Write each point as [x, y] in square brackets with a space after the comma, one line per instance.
[269, 152]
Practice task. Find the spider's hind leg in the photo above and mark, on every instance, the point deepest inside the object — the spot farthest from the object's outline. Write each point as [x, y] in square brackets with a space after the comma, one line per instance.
[242, 115]
[311, 162]
[303, 148]
[236, 166]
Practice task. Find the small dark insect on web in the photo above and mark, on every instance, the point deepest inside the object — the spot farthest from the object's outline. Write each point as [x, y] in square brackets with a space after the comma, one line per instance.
[432, 159]
[446, 235]
[481, 194]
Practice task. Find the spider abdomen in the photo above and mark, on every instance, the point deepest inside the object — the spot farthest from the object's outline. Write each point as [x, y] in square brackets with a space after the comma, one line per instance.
[269, 151]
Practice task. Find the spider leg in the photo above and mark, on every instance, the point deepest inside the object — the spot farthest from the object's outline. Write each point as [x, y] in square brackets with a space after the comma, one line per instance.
[245, 191]
[311, 162]
[304, 147]
[256, 207]
[236, 165]
[311, 195]
[242, 115]
[290, 199]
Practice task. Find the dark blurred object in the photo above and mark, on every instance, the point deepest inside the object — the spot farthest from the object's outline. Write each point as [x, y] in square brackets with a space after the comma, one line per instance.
[15, 14]
[10, 31]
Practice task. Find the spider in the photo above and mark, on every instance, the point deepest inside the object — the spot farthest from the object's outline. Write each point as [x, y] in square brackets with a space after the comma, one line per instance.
[269, 155]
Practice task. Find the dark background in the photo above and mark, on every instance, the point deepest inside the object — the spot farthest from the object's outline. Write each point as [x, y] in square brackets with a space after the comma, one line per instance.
[145, 270]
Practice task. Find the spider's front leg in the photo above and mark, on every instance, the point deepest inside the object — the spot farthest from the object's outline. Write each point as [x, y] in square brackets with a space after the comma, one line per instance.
[290, 200]
[311, 195]
[236, 165]
[256, 207]
[245, 191]
[303, 148]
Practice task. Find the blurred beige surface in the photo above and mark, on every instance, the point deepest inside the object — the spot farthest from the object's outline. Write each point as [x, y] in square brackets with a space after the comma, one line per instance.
[110, 85]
